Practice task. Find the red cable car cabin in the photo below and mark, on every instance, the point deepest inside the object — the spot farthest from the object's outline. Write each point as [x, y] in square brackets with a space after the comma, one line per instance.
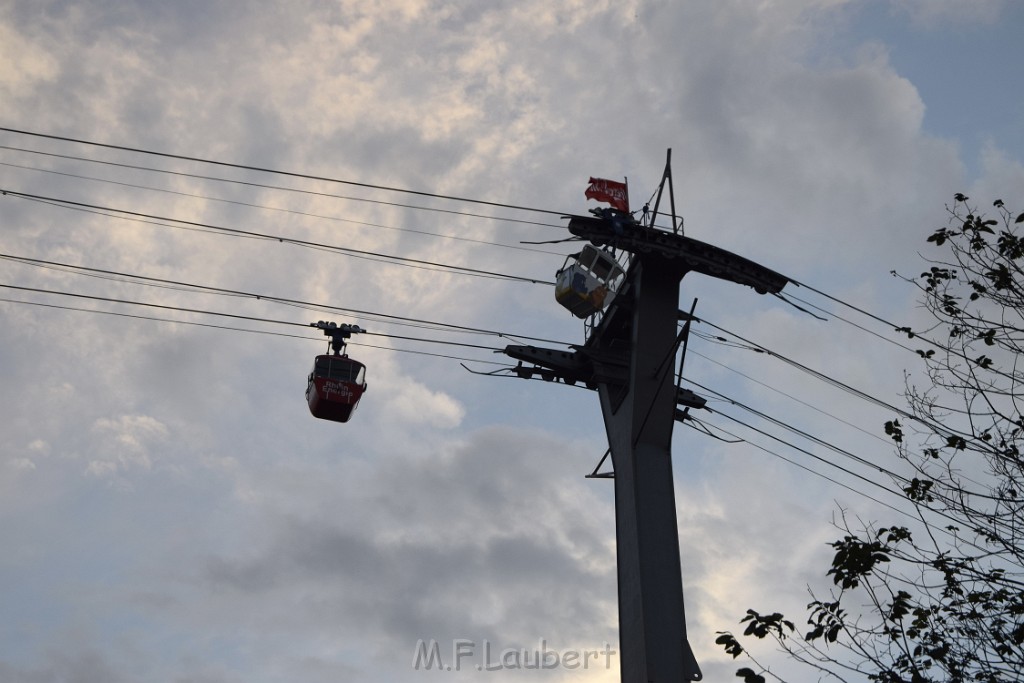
[335, 386]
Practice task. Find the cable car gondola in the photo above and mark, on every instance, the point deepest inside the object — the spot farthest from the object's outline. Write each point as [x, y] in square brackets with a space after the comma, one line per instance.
[588, 284]
[336, 382]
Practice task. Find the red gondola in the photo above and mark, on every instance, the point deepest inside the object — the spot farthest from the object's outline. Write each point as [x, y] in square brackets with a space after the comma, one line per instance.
[336, 382]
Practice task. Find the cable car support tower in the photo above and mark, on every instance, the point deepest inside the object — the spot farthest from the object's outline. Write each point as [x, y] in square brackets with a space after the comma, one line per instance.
[626, 359]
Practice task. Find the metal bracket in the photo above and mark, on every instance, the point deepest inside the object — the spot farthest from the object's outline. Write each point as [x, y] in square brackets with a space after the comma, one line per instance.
[337, 333]
[601, 475]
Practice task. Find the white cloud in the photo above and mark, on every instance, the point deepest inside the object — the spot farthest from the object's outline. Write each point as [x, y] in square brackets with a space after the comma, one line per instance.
[415, 404]
[125, 443]
[248, 541]
[23, 62]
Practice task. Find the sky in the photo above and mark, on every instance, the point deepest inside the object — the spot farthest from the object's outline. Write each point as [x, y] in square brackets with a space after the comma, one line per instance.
[170, 509]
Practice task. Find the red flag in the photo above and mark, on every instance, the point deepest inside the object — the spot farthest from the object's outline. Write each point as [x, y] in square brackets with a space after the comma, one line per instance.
[610, 191]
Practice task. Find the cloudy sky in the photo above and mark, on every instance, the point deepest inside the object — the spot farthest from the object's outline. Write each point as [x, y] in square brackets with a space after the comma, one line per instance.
[170, 510]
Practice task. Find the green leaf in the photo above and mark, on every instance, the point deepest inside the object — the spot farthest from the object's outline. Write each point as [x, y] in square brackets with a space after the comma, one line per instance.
[748, 675]
[729, 642]
[854, 560]
[892, 427]
[919, 490]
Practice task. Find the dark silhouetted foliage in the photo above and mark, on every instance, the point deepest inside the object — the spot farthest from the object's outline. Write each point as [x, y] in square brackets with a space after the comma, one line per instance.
[944, 601]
